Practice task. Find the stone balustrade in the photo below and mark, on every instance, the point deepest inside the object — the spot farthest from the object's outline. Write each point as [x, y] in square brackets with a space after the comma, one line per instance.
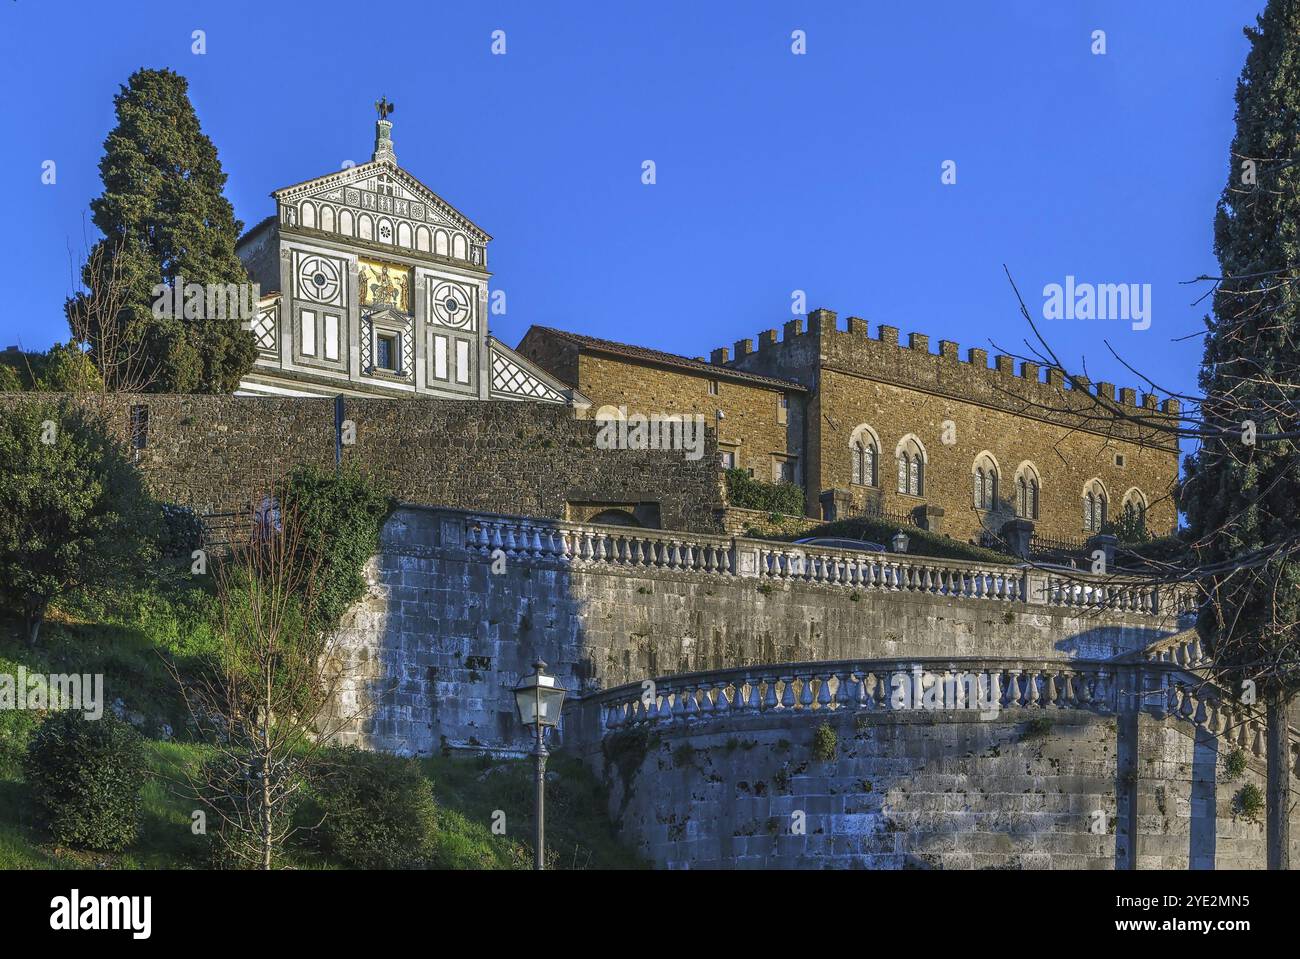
[588, 546]
[984, 686]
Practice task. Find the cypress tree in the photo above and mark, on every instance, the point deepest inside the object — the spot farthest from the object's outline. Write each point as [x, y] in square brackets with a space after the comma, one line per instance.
[164, 218]
[1242, 494]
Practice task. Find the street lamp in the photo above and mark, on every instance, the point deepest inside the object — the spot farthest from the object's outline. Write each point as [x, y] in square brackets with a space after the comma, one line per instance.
[539, 699]
[900, 542]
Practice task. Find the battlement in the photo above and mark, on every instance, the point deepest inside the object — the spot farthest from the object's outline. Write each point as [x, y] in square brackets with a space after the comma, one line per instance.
[885, 356]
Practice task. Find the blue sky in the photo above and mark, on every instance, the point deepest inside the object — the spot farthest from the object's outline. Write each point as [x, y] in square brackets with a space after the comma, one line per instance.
[775, 172]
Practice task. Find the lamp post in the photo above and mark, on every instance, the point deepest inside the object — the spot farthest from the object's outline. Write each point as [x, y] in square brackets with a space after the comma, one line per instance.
[539, 699]
[900, 542]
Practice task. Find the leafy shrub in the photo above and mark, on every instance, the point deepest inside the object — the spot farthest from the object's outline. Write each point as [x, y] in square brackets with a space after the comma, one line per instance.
[1128, 528]
[824, 743]
[746, 492]
[85, 777]
[16, 727]
[1249, 801]
[378, 809]
[1235, 764]
[73, 509]
[921, 542]
[181, 532]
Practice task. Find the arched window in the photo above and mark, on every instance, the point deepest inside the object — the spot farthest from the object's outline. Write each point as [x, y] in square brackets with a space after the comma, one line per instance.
[327, 217]
[1027, 487]
[308, 214]
[1135, 508]
[864, 456]
[911, 466]
[984, 474]
[1094, 507]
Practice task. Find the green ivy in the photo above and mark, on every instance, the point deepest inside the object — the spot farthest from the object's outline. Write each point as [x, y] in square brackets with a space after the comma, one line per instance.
[340, 516]
[746, 492]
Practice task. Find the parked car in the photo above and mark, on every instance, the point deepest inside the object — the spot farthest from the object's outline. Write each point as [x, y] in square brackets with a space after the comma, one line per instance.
[832, 542]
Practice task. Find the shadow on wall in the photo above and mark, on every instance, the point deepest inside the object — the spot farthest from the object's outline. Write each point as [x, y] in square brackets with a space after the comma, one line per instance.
[1055, 789]
[434, 651]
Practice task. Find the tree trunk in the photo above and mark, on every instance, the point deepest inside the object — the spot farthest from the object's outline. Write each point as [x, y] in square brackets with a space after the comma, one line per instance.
[1278, 793]
[35, 617]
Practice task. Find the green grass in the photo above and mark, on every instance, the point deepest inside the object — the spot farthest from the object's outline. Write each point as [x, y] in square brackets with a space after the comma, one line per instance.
[122, 636]
[469, 790]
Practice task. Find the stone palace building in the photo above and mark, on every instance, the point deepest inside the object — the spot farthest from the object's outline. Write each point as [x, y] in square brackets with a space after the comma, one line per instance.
[379, 287]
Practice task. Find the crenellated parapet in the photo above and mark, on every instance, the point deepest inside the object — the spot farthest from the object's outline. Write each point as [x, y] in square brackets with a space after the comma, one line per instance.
[1020, 386]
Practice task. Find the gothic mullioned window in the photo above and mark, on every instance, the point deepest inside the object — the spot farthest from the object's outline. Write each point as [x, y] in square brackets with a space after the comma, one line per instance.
[864, 457]
[911, 466]
[984, 476]
[1027, 487]
[1094, 507]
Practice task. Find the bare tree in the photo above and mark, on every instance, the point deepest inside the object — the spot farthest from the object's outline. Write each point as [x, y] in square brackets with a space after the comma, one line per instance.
[268, 705]
[99, 321]
[1241, 560]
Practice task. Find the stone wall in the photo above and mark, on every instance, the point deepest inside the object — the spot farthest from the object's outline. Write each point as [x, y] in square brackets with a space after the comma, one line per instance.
[1018, 415]
[1063, 460]
[940, 790]
[222, 453]
[432, 653]
[751, 426]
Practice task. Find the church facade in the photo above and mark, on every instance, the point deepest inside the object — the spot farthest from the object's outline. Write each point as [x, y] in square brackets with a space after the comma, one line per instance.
[376, 286]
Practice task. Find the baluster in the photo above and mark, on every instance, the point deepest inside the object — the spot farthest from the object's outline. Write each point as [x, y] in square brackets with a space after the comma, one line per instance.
[787, 694]
[769, 699]
[824, 691]
[806, 694]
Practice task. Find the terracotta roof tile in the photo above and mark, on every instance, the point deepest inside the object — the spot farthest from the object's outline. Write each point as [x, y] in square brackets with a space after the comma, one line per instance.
[658, 357]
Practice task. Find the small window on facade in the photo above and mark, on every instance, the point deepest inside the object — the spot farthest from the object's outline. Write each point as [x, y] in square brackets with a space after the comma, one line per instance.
[440, 357]
[462, 361]
[308, 333]
[331, 336]
[139, 427]
[713, 387]
[782, 409]
[783, 471]
[386, 352]
[1119, 459]
[728, 459]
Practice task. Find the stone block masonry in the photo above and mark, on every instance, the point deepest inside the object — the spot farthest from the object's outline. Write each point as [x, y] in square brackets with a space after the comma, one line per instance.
[222, 453]
[941, 790]
[433, 651]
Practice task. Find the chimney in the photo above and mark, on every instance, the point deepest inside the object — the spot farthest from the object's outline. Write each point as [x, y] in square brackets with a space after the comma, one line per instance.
[719, 356]
[744, 348]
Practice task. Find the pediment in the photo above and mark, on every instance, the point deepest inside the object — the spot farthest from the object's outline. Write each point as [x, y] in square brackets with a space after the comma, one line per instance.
[388, 315]
[378, 188]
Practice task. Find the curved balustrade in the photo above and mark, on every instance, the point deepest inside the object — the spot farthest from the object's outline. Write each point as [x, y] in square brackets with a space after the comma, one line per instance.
[592, 546]
[978, 685]
[983, 686]
[891, 572]
[596, 545]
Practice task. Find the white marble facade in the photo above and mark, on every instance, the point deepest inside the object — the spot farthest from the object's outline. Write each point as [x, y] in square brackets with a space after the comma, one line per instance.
[373, 285]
